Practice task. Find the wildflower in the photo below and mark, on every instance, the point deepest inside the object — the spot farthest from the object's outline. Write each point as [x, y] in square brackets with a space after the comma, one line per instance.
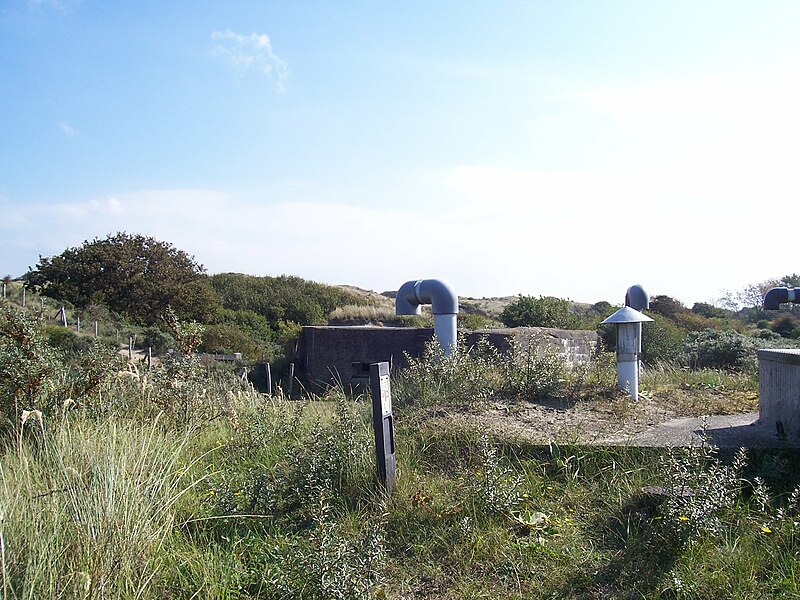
[683, 518]
[766, 530]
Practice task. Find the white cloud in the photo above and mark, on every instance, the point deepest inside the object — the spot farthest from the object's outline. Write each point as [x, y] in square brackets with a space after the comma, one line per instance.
[246, 52]
[68, 129]
[577, 235]
[61, 5]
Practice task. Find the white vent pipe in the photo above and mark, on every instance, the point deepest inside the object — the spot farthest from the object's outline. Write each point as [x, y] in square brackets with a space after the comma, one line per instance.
[444, 305]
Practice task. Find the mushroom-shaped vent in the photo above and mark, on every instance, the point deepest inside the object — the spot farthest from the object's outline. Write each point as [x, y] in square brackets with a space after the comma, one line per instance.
[626, 314]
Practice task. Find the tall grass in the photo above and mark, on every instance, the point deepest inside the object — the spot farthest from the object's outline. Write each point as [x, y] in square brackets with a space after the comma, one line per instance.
[87, 506]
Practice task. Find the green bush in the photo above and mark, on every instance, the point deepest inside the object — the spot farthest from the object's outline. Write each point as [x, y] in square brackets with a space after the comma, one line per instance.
[785, 325]
[160, 341]
[28, 364]
[66, 340]
[476, 321]
[719, 350]
[662, 341]
[545, 311]
[229, 339]
[281, 298]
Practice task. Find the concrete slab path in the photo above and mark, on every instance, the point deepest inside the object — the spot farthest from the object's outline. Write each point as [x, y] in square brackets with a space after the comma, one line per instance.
[724, 431]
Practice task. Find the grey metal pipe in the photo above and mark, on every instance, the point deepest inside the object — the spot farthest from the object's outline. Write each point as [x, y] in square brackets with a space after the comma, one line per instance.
[777, 296]
[444, 305]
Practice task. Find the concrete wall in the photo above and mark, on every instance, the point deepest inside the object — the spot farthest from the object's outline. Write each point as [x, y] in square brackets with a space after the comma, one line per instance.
[779, 390]
[326, 354]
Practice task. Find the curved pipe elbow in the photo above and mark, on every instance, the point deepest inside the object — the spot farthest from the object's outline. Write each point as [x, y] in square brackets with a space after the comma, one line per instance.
[637, 298]
[777, 296]
[436, 292]
[405, 303]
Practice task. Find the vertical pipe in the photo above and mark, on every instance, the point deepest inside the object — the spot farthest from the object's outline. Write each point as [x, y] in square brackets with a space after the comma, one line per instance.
[628, 358]
[445, 328]
[268, 374]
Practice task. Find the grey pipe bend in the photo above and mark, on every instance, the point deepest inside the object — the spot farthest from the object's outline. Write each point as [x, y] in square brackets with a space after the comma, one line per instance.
[444, 305]
[777, 296]
[436, 292]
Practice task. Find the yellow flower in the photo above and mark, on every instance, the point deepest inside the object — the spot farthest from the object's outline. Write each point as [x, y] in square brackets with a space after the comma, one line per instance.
[683, 518]
[765, 529]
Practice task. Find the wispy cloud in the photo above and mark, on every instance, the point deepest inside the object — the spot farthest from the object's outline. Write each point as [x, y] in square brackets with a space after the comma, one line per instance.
[518, 246]
[250, 52]
[68, 129]
[57, 4]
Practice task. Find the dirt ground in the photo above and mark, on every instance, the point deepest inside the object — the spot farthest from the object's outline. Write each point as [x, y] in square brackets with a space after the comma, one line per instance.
[649, 422]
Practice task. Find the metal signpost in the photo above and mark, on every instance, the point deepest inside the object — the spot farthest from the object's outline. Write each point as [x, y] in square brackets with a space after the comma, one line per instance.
[382, 424]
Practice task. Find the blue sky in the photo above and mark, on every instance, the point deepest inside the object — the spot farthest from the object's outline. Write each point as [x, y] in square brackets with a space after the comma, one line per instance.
[547, 148]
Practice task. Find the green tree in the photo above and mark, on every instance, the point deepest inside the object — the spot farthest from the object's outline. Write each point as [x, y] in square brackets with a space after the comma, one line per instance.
[133, 275]
[710, 311]
[544, 311]
[667, 306]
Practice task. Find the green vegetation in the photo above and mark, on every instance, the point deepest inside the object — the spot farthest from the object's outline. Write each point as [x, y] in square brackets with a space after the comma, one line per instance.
[120, 480]
[545, 311]
[133, 275]
[177, 482]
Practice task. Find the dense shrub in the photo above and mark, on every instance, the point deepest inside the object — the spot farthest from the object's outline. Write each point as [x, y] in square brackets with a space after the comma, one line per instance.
[719, 350]
[28, 363]
[159, 341]
[281, 298]
[66, 340]
[662, 341]
[229, 339]
[710, 311]
[787, 326]
[476, 321]
[545, 311]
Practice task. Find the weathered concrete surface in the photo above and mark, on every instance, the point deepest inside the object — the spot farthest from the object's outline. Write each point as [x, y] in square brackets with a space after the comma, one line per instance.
[779, 390]
[723, 431]
[326, 354]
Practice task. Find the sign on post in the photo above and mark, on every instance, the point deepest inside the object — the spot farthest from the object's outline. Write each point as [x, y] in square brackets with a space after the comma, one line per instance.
[382, 424]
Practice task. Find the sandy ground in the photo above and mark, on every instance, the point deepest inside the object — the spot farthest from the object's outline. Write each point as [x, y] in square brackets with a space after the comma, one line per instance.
[645, 424]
